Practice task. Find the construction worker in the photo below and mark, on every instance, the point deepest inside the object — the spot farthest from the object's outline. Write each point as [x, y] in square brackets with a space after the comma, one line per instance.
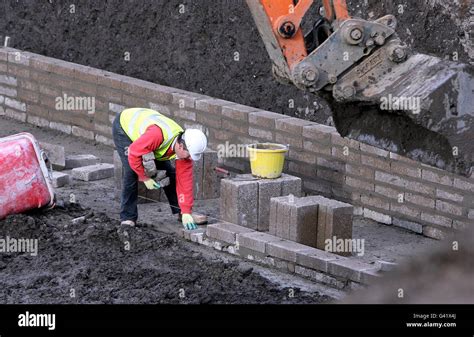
[139, 131]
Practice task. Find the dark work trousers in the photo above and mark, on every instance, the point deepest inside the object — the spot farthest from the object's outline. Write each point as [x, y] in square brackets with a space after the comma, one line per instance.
[129, 198]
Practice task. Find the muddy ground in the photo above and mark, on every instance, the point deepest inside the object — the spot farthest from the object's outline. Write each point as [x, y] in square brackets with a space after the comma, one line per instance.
[71, 250]
[97, 261]
[196, 50]
[91, 258]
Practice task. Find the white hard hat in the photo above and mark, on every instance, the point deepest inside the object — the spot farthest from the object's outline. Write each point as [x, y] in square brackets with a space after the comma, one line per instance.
[196, 142]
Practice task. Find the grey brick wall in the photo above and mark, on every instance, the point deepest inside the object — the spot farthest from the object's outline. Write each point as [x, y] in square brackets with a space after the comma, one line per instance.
[382, 185]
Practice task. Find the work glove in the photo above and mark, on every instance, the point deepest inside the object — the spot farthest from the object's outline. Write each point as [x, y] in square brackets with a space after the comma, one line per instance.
[188, 222]
[151, 184]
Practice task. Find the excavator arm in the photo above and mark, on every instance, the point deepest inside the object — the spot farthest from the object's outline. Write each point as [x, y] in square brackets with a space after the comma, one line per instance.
[370, 77]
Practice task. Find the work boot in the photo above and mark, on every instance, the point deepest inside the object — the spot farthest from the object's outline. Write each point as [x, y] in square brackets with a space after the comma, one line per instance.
[199, 219]
[128, 223]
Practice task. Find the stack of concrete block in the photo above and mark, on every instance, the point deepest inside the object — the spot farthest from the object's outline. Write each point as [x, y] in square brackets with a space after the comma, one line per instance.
[245, 200]
[310, 220]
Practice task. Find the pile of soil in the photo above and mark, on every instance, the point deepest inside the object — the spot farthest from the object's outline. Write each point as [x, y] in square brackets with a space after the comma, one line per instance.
[93, 258]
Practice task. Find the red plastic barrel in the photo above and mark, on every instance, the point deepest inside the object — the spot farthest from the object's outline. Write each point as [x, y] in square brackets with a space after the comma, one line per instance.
[24, 178]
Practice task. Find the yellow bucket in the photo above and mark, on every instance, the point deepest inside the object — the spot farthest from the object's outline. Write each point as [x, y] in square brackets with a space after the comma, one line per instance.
[267, 159]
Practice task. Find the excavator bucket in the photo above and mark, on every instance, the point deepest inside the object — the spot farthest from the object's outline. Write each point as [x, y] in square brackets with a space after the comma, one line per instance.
[380, 92]
[423, 92]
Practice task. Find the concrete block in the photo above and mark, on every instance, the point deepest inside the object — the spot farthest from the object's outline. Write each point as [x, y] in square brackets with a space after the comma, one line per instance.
[290, 185]
[334, 220]
[239, 202]
[281, 216]
[93, 172]
[148, 161]
[117, 175]
[435, 233]
[385, 265]
[198, 170]
[80, 132]
[150, 156]
[226, 232]
[370, 276]
[315, 259]
[210, 180]
[349, 268]
[267, 189]
[56, 155]
[19, 116]
[255, 241]
[285, 250]
[197, 235]
[60, 179]
[320, 277]
[376, 216]
[303, 224]
[192, 235]
[65, 128]
[13, 103]
[81, 160]
[413, 226]
[7, 91]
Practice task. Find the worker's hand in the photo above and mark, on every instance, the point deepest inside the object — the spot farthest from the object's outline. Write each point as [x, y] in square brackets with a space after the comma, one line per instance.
[188, 222]
[151, 184]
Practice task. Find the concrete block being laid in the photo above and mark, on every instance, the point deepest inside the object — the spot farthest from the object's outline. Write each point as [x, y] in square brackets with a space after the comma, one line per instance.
[56, 155]
[210, 180]
[93, 172]
[143, 192]
[198, 167]
[206, 180]
[81, 160]
[60, 179]
[150, 168]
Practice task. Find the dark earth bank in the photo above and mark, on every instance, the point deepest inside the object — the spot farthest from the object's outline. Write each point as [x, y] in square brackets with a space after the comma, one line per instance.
[196, 50]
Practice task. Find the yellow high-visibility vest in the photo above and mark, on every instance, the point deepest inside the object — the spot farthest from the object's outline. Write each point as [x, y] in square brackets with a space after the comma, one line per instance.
[136, 120]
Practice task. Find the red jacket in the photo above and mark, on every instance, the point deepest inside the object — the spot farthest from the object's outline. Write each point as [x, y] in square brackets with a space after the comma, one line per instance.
[149, 142]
